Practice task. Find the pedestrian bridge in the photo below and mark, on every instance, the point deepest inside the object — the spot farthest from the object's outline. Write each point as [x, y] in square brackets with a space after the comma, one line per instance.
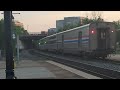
[28, 39]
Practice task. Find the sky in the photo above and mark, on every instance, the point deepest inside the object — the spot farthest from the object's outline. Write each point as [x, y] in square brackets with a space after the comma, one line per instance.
[37, 21]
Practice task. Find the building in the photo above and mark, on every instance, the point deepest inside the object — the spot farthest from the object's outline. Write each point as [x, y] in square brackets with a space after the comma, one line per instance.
[52, 31]
[59, 24]
[71, 21]
[68, 21]
[43, 32]
[34, 33]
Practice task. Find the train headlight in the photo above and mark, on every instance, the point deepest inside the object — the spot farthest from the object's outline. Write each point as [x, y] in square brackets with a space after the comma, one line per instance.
[112, 31]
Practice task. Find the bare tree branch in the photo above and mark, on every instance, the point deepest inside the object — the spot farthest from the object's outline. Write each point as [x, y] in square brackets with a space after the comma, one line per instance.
[96, 14]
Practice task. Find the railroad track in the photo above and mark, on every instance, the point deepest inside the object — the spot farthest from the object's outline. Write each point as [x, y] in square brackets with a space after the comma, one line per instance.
[105, 73]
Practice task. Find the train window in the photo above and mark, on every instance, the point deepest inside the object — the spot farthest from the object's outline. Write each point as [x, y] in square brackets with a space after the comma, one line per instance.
[53, 37]
[80, 35]
[52, 42]
[103, 35]
[42, 42]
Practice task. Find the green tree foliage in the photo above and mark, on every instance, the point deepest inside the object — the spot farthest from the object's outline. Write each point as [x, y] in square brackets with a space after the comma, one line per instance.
[117, 24]
[117, 27]
[84, 22]
[69, 26]
[15, 29]
[87, 20]
[18, 30]
[42, 42]
[118, 36]
[60, 30]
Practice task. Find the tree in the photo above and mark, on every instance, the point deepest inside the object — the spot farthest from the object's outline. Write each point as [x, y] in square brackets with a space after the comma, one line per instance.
[117, 27]
[118, 36]
[96, 17]
[16, 30]
[117, 24]
[60, 30]
[69, 26]
[96, 14]
[87, 21]
[19, 30]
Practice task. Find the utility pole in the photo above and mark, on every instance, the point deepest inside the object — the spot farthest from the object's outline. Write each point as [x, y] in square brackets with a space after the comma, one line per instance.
[18, 48]
[8, 45]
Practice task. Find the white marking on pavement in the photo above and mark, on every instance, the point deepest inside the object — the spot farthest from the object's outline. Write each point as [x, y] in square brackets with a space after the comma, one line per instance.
[78, 72]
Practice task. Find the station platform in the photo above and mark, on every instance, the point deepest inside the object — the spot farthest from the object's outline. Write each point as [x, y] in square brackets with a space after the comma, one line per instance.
[29, 69]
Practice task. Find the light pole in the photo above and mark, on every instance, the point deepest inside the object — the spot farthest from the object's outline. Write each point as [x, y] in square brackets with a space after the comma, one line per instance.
[15, 35]
[17, 38]
[17, 48]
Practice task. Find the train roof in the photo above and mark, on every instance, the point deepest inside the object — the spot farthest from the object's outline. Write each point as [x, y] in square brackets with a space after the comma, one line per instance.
[73, 29]
[67, 30]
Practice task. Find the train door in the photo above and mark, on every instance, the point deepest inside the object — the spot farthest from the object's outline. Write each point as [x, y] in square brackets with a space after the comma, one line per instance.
[80, 40]
[103, 38]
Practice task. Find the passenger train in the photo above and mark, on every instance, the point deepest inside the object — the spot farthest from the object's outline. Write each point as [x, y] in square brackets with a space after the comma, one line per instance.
[96, 39]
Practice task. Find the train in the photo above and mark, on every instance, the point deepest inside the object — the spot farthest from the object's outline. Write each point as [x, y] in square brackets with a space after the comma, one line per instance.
[97, 39]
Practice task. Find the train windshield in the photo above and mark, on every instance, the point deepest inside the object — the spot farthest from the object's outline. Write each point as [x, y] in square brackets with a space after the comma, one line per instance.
[103, 38]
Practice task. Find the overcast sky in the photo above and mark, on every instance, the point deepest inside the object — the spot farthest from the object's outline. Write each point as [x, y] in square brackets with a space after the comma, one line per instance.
[38, 21]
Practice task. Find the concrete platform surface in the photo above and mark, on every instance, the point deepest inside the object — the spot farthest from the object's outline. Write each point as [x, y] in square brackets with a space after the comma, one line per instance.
[29, 69]
[30, 73]
[77, 72]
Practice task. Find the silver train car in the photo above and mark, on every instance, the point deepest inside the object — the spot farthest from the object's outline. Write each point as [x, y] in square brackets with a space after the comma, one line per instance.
[92, 40]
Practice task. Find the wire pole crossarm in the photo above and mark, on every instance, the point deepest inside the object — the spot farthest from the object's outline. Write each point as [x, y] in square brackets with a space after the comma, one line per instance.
[12, 13]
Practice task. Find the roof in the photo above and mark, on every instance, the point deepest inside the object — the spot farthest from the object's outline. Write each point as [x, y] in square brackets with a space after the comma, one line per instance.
[68, 30]
[74, 29]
